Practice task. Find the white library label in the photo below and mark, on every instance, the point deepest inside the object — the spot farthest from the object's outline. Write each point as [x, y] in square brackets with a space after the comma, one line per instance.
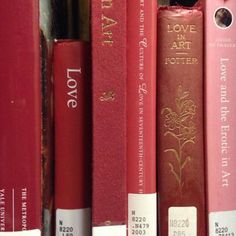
[73, 222]
[182, 221]
[222, 223]
[142, 214]
[113, 230]
[35, 232]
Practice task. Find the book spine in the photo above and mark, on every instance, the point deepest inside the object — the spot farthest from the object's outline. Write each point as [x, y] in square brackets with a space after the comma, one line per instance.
[220, 44]
[20, 101]
[141, 116]
[109, 117]
[72, 160]
[181, 185]
[47, 148]
[47, 135]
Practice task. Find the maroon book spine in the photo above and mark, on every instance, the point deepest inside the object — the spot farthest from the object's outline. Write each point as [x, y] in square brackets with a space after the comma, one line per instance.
[109, 199]
[47, 135]
[141, 116]
[20, 122]
[181, 184]
[72, 160]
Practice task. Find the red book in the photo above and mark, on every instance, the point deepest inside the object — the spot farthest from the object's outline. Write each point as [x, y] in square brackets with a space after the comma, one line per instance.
[20, 125]
[72, 158]
[109, 201]
[181, 184]
[141, 116]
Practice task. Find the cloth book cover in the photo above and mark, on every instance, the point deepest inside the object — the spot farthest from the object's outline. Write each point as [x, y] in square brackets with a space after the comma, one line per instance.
[109, 71]
[20, 139]
[72, 158]
[181, 184]
[141, 117]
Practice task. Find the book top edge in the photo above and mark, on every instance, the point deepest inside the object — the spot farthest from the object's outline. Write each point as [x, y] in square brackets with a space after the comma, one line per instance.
[181, 8]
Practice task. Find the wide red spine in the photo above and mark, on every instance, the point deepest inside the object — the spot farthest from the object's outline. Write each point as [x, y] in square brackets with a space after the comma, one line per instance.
[71, 107]
[20, 103]
[181, 183]
[141, 112]
[109, 112]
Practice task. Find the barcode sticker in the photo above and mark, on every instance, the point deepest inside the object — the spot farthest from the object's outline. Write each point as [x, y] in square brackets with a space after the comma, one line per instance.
[35, 232]
[73, 222]
[182, 221]
[222, 223]
[142, 214]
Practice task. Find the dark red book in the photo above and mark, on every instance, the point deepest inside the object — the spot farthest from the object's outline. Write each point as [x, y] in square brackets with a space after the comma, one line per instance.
[72, 158]
[47, 134]
[181, 183]
[47, 147]
[141, 116]
[20, 122]
[109, 201]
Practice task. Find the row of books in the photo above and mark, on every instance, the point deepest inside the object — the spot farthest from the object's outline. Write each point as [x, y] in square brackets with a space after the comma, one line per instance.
[143, 145]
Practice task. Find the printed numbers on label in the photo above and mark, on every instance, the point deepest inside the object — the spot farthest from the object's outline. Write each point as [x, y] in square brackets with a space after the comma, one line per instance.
[141, 226]
[139, 219]
[221, 230]
[179, 223]
[179, 233]
[66, 230]
[138, 232]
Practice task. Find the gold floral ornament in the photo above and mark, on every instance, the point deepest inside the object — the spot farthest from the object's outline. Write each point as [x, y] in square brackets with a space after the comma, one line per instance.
[107, 96]
[179, 125]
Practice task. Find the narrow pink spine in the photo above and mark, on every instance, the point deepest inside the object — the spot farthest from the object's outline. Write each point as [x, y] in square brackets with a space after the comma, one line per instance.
[220, 44]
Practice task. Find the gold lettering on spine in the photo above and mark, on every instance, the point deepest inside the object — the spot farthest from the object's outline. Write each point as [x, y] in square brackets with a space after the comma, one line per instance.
[107, 24]
[181, 45]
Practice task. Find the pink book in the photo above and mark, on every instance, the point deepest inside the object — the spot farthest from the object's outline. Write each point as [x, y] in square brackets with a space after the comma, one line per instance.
[221, 115]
